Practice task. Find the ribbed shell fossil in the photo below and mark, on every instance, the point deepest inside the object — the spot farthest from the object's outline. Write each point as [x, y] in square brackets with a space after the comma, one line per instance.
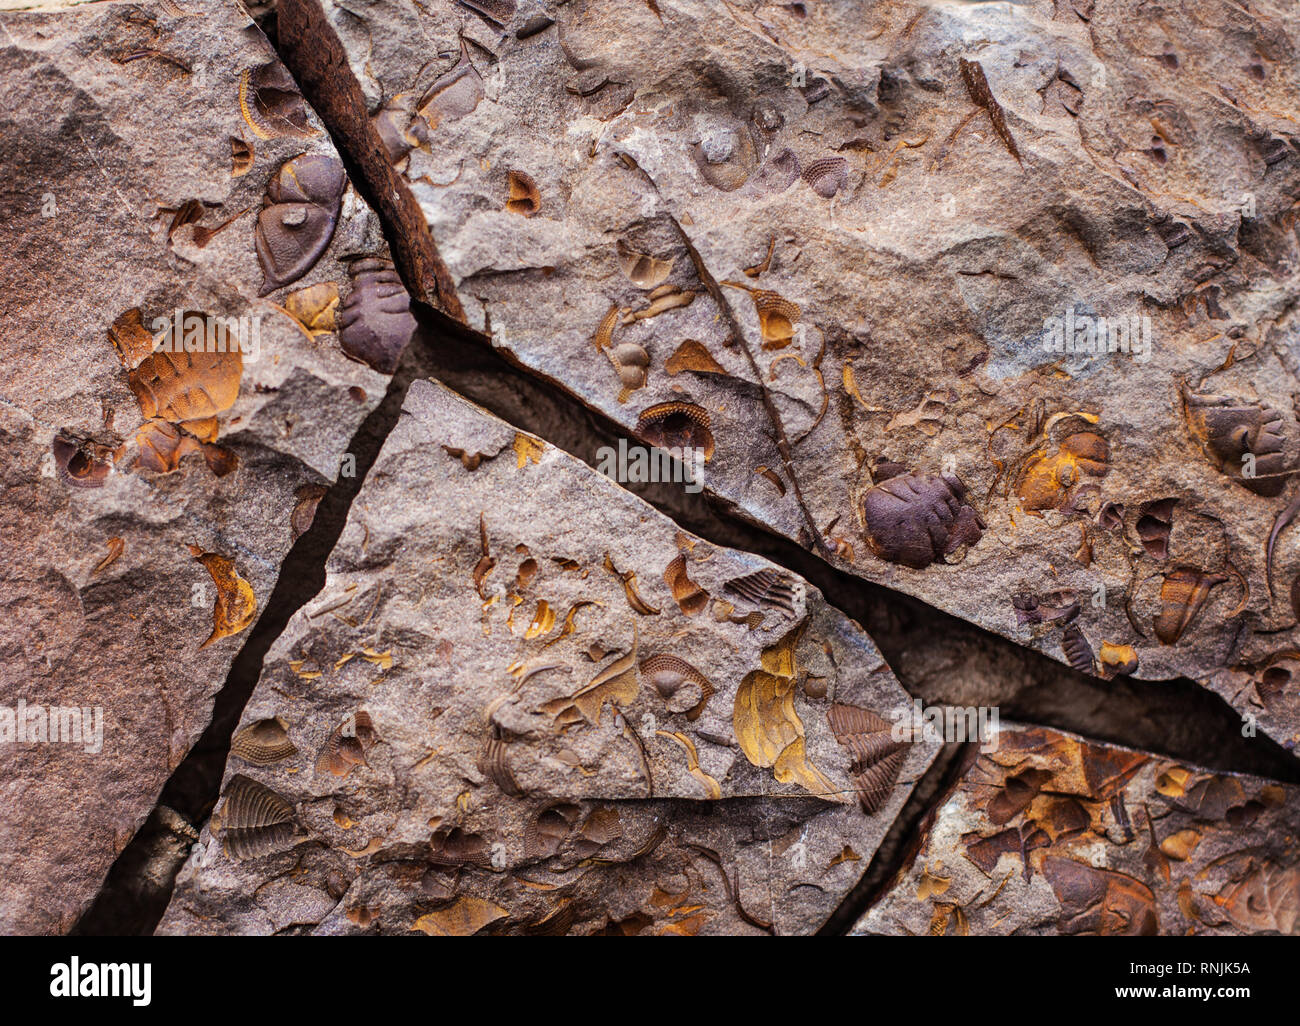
[253, 820]
[827, 176]
[1155, 521]
[495, 765]
[877, 757]
[1182, 594]
[1078, 653]
[345, 749]
[682, 687]
[300, 212]
[677, 425]
[1230, 430]
[779, 172]
[764, 588]
[726, 157]
[263, 742]
[375, 321]
[271, 104]
[546, 832]
[918, 519]
[82, 463]
[1045, 480]
[455, 847]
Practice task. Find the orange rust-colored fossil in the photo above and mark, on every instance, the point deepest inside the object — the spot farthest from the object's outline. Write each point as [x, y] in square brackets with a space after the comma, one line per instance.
[1046, 479]
[1182, 595]
[236, 606]
[677, 425]
[688, 595]
[523, 196]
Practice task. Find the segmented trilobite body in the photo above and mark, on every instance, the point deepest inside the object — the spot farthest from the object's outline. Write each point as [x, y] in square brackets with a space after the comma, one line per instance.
[1078, 653]
[877, 757]
[495, 765]
[375, 321]
[299, 214]
[765, 588]
[254, 820]
[1244, 440]
[1182, 595]
[455, 847]
[917, 519]
[181, 386]
[827, 176]
[263, 742]
[682, 687]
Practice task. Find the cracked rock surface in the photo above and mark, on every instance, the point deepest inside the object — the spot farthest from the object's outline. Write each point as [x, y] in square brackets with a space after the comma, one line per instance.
[150, 494]
[845, 237]
[527, 702]
[1052, 834]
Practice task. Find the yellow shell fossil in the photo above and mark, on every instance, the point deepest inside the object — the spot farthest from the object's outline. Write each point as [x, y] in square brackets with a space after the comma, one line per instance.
[181, 387]
[263, 742]
[689, 596]
[236, 605]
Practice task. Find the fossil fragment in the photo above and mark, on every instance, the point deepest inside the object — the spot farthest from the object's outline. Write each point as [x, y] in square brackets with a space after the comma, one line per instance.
[918, 519]
[827, 176]
[1244, 440]
[1182, 594]
[523, 196]
[263, 742]
[547, 831]
[315, 307]
[632, 364]
[1100, 902]
[253, 820]
[642, 270]
[495, 765]
[777, 316]
[375, 321]
[455, 847]
[454, 94]
[694, 357]
[236, 606]
[1154, 523]
[130, 338]
[1117, 660]
[677, 425]
[765, 588]
[298, 217]
[688, 595]
[241, 157]
[877, 757]
[682, 687]
[778, 173]
[345, 749]
[1078, 653]
[304, 511]
[1046, 480]
[977, 85]
[725, 156]
[1060, 605]
[271, 104]
[82, 463]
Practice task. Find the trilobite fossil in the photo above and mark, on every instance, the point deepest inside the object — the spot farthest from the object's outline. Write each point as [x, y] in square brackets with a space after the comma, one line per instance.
[82, 463]
[254, 820]
[375, 321]
[677, 425]
[765, 588]
[299, 214]
[1244, 440]
[682, 687]
[263, 742]
[877, 757]
[271, 104]
[918, 519]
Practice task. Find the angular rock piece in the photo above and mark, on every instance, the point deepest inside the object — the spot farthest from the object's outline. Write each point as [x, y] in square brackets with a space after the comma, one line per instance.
[158, 417]
[886, 235]
[1053, 834]
[545, 742]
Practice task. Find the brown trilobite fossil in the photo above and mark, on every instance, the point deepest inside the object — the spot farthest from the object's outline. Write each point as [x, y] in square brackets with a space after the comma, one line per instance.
[1182, 594]
[677, 425]
[918, 519]
[1244, 440]
[253, 820]
[682, 687]
[765, 588]
[263, 742]
[271, 104]
[877, 757]
[345, 749]
[298, 217]
[375, 321]
[82, 462]
[1155, 521]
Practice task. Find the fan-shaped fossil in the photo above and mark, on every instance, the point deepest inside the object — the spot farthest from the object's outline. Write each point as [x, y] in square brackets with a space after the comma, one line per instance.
[546, 832]
[682, 687]
[1244, 440]
[500, 11]
[271, 104]
[725, 156]
[689, 596]
[1182, 594]
[253, 820]
[345, 749]
[297, 221]
[375, 321]
[263, 742]
[523, 196]
[677, 425]
[877, 757]
[765, 588]
[777, 316]
[82, 463]
[827, 176]
[918, 519]
[779, 172]
[455, 847]
[694, 357]
[642, 270]
[236, 605]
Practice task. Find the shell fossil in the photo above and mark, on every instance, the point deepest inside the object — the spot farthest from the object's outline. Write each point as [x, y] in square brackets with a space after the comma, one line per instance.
[725, 156]
[271, 104]
[682, 687]
[689, 596]
[263, 742]
[779, 172]
[546, 832]
[677, 425]
[641, 269]
[827, 176]
[345, 749]
[523, 196]
[1231, 431]
[454, 847]
[82, 463]
[375, 321]
[297, 221]
[454, 94]
[1155, 520]
[1182, 595]
[254, 820]
[1078, 653]
[918, 519]
[877, 757]
[765, 588]
[1046, 480]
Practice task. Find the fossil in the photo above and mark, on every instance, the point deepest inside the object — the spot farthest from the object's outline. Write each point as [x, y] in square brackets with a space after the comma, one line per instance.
[632, 364]
[298, 217]
[495, 764]
[236, 606]
[1078, 653]
[677, 425]
[253, 820]
[1060, 605]
[130, 338]
[263, 742]
[315, 307]
[777, 316]
[1155, 520]
[454, 94]
[453, 846]
[523, 196]
[375, 321]
[642, 270]
[82, 463]
[765, 588]
[918, 519]
[692, 356]
[547, 831]
[682, 687]
[1244, 440]
[688, 595]
[725, 156]
[188, 388]
[977, 85]
[877, 757]
[271, 104]
[778, 173]
[1046, 480]
[1117, 660]
[1182, 594]
[345, 749]
[827, 176]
